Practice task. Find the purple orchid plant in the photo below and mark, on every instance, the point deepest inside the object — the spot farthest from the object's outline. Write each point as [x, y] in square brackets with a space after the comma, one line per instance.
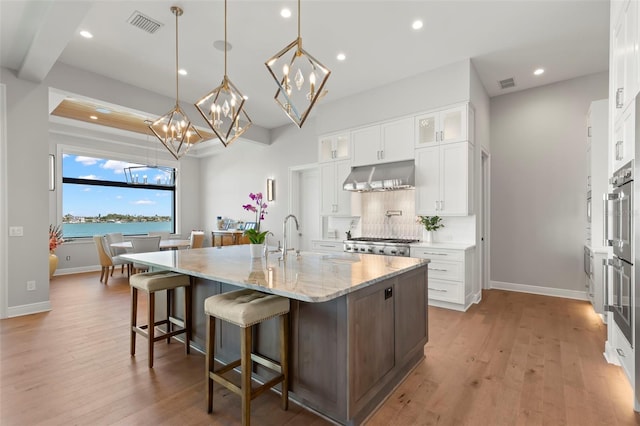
[259, 207]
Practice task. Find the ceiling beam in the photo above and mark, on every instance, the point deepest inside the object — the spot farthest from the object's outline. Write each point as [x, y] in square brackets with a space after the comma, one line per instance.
[60, 24]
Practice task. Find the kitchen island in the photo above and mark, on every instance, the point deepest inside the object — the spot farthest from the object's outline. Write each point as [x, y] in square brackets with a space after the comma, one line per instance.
[358, 322]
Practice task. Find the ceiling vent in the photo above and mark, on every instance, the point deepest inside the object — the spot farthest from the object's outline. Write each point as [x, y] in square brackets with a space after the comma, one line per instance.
[507, 83]
[143, 22]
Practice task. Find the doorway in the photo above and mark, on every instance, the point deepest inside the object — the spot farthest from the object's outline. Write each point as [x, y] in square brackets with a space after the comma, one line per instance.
[484, 220]
[305, 205]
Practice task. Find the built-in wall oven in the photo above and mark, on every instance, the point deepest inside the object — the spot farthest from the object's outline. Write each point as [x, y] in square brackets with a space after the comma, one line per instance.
[619, 235]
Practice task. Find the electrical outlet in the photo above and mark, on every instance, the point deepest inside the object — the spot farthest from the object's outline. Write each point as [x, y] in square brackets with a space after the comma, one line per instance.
[16, 231]
[31, 285]
[68, 258]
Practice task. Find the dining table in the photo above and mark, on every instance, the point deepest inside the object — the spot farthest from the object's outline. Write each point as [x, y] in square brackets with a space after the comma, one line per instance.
[164, 244]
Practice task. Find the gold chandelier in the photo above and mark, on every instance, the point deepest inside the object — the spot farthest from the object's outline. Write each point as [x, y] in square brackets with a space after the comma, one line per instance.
[290, 71]
[223, 107]
[174, 129]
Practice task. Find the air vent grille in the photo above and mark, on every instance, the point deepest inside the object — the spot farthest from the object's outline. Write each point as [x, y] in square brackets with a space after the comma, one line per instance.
[143, 22]
[507, 83]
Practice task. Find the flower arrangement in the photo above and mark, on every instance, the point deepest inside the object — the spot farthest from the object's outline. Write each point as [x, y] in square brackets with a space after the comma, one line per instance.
[430, 223]
[260, 209]
[55, 237]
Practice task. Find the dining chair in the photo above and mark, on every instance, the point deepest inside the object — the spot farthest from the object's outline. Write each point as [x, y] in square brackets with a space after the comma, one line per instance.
[164, 235]
[106, 260]
[115, 237]
[196, 239]
[143, 244]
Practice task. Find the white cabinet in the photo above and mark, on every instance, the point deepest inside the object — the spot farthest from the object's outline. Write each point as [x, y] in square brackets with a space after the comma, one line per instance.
[383, 143]
[449, 125]
[625, 55]
[327, 246]
[451, 275]
[443, 179]
[334, 200]
[597, 170]
[624, 139]
[334, 147]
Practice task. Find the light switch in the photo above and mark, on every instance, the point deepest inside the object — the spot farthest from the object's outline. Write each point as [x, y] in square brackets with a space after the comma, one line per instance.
[16, 231]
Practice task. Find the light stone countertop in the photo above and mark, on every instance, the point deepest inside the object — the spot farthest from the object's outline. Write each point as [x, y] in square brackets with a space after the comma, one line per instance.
[311, 277]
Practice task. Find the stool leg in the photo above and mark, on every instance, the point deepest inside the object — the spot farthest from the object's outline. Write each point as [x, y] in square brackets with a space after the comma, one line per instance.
[211, 344]
[245, 366]
[169, 314]
[284, 358]
[134, 318]
[151, 327]
[187, 318]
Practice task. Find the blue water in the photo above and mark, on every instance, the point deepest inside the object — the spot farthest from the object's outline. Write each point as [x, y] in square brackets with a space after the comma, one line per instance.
[74, 230]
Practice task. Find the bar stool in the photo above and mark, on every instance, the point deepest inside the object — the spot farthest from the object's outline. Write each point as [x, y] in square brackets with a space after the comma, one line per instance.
[246, 308]
[152, 282]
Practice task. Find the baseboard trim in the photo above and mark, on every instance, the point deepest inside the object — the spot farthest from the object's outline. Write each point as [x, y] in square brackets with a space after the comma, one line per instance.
[544, 291]
[69, 271]
[32, 308]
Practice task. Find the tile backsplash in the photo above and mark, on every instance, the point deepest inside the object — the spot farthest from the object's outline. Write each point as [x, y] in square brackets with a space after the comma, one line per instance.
[392, 214]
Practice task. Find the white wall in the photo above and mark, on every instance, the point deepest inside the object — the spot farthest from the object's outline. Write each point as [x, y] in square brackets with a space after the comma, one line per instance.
[433, 89]
[243, 167]
[538, 177]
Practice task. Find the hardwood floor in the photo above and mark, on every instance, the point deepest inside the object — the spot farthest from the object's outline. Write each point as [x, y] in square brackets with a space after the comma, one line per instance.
[514, 359]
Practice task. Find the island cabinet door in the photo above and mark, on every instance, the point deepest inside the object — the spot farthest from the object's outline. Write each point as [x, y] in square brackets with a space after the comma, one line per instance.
[412, 330]
[371, 341]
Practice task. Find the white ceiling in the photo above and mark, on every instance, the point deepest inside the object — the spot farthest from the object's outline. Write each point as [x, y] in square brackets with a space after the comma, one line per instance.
[508, 38]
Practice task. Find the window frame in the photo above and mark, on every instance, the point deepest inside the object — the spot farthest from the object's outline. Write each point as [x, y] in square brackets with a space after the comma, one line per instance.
[117, 156]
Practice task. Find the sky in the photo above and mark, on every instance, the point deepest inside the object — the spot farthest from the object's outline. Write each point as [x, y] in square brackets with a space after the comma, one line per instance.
[89, 200]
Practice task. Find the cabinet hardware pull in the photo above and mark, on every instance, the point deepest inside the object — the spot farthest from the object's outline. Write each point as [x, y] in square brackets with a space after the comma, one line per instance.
[382, 155]
[621, 352]
[619, 92]
[441, 135]
[589, 131]
[437, 289]
[326, 245]
[439, 270]
[435, 254]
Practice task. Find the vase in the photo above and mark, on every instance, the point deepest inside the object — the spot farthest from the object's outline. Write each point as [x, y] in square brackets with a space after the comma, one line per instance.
[427, 236]
[53, 263]
[256, 250]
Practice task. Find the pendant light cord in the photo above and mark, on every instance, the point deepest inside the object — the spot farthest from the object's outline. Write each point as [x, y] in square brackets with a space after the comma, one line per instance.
[176, 12]
[298, 18]
[225, 39]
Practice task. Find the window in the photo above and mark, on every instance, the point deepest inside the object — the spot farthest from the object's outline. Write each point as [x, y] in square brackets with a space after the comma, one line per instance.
[98, 197]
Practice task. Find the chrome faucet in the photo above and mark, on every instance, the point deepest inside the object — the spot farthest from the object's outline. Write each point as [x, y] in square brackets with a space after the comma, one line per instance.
[284, 233]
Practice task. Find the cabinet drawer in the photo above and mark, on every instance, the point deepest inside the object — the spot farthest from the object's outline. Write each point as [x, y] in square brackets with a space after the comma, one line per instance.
[436, 254]
[327, 246]
[623, 351]
[446, 270]
[446, 291]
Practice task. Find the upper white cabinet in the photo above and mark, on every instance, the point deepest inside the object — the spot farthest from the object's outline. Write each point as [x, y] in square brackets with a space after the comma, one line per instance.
[383, 143]
[625, 54]
[624, 138]
[448, 125]
[443, 179]
[334, 147]
[334, 200]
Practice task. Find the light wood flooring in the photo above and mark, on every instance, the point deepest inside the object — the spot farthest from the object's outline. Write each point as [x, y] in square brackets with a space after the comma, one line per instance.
[514, 359]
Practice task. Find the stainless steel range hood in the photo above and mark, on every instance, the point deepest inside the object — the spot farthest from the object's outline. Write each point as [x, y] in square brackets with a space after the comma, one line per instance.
[381, 177]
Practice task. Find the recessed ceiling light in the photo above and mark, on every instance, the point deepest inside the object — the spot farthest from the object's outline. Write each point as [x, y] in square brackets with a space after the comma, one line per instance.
[539, 71]
[341, 57]
[86, 34]
[93, 117]
[182, 71]
[285, 13]
[103, 110]
[417, 24]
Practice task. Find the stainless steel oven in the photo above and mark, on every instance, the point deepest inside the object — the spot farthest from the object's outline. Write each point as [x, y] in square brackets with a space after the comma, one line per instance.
[619, 235]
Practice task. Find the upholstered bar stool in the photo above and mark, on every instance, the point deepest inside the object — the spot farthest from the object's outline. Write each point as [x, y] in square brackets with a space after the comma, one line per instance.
[152, 282]
[246, 308]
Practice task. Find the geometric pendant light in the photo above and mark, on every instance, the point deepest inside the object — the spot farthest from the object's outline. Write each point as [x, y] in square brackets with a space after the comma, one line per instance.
[300, 79]
[174, 129]
[223, 107]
